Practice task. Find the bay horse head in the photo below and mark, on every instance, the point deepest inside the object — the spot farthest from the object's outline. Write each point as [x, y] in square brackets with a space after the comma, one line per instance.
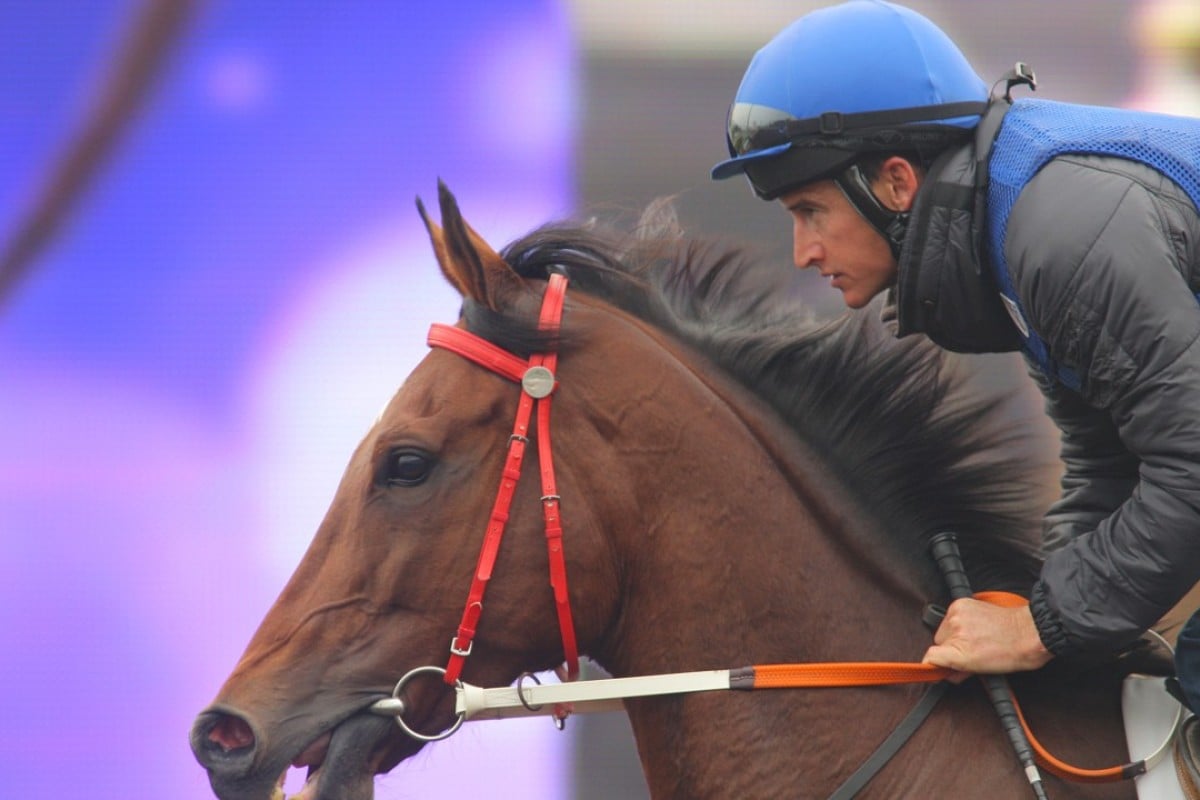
[736, 486]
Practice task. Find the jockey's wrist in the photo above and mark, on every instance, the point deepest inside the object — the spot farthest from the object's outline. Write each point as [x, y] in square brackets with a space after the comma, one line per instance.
[1055, 638]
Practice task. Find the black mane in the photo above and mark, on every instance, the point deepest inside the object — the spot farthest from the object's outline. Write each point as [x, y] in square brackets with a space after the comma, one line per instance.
[894, 419]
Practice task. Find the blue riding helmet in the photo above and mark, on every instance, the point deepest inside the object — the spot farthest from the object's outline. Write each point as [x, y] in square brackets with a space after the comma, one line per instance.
[863, 76]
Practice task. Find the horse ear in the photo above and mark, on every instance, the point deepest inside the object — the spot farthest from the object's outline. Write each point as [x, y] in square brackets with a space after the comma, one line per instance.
[437, 238]
[468, 262]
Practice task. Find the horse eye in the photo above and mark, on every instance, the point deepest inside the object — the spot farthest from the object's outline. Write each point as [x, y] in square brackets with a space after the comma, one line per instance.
[406, 468]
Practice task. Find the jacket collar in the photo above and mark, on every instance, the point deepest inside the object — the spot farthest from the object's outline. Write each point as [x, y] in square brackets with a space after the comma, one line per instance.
[943, 287]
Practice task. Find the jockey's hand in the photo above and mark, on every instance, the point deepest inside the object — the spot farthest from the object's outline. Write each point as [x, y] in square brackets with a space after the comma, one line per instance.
[979, 637]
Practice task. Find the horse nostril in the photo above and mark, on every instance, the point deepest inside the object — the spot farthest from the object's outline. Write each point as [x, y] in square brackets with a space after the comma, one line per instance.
[231, 733]
[223, 741]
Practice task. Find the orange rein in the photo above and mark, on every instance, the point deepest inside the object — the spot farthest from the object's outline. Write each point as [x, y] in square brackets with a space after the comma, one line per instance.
[793, 676]
[1044, 757]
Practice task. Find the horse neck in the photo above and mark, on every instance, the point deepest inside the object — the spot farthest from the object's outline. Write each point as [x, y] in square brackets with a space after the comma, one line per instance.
[743, 547]
[736, 553]
[736, 547]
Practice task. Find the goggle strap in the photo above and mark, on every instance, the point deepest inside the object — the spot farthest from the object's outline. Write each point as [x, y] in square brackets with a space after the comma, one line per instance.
[835, 123]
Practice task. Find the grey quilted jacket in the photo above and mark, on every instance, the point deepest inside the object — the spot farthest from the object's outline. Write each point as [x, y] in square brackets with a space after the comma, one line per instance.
[1105, 257]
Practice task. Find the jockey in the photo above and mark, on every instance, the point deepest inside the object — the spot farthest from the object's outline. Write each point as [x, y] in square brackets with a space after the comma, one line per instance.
[1070, 232]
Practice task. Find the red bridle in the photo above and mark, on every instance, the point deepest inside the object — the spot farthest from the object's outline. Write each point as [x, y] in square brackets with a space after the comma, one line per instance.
[537, 379]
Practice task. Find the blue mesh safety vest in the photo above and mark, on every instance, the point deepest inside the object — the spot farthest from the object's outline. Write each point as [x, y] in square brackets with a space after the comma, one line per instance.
[1035, 131]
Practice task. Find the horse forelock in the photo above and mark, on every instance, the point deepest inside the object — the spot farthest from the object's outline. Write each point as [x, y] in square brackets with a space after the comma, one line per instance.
[897, 421]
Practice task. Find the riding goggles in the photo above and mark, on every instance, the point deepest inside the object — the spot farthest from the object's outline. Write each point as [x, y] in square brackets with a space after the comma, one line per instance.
[777, 152]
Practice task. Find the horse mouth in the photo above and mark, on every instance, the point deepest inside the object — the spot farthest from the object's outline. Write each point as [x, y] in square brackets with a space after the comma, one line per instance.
[342, 763]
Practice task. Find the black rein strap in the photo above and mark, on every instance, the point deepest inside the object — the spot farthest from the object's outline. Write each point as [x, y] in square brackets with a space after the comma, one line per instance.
[892, 744]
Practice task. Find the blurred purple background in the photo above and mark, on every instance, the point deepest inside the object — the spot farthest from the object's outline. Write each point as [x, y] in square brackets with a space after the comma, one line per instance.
[187, 370]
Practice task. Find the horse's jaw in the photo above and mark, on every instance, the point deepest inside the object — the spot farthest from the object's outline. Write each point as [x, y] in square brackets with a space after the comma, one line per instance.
[341, 764]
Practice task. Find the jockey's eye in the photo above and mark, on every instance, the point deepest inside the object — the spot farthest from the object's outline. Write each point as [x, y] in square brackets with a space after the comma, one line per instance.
[406, 467]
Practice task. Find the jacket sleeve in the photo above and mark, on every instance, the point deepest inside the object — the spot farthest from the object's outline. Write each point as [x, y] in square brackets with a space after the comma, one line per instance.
[1100, 251]
[1099, 473]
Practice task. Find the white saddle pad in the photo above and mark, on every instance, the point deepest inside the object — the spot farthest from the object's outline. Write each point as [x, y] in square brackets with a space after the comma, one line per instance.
[1150, 714]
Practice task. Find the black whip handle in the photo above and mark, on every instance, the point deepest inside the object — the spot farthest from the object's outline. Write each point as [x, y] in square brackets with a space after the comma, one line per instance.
[944, 548]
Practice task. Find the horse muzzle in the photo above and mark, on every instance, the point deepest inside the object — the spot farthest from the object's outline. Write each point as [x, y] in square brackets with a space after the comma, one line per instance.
[342, 761]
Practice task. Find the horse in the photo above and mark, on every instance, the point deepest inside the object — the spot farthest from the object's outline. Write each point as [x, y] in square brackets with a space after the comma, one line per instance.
[735, 483]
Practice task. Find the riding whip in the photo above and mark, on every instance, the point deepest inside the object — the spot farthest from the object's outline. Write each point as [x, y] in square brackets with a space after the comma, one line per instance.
[944, 548]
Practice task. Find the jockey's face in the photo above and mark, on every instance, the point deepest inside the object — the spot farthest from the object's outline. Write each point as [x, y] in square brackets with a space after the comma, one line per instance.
[828, 232]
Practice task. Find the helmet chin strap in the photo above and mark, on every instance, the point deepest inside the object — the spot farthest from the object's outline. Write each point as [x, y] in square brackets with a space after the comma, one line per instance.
[892, 225]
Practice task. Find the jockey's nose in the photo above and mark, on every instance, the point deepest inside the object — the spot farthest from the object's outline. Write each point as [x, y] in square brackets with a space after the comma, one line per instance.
[224, 743]
[806, 251]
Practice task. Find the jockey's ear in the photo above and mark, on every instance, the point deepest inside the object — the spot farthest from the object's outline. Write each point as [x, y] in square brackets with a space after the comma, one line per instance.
[468, 262]
[897, 184]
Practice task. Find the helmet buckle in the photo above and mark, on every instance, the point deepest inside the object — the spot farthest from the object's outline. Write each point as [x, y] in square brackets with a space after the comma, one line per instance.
[1020, 75]
[830, 123]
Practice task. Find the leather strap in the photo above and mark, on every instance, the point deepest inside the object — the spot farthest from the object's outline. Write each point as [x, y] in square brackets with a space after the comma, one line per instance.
[477, 350]
[892, 744]
[506, 701]
[540, 367]
[551, 314]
